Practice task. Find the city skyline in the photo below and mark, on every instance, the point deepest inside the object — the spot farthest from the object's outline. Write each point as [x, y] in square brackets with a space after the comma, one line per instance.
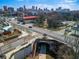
[70, 4]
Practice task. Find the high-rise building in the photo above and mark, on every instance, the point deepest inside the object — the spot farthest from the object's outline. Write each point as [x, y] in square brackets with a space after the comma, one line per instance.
[46, 10]
[33, 7]
[10, 9]
[59, 9]
[52, 10]
[1, 11]
[66, 10]
[36, 8]
[5, 8]
[20, 9]
[24, 8]
[62, 10]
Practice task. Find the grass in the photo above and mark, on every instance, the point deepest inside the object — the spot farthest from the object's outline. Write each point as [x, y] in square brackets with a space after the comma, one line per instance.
[30, 57]
[37, 57]
[9, 36]
[52, 28]
[49, 57]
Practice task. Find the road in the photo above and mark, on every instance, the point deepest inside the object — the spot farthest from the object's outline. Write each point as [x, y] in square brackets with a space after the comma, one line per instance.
[69, 40]
[12, 44]
[19, 48]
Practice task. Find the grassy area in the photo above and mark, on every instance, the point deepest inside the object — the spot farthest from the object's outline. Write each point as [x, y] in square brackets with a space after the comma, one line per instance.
[30, 57]
[53, 29]
[49, 57]
[9, 36]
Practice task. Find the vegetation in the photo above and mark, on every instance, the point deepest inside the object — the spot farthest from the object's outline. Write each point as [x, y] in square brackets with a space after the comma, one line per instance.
[8, 35]
[55, 19]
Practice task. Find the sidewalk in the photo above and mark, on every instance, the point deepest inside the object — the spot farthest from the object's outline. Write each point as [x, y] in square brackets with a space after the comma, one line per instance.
[42, 54]
[23, 34]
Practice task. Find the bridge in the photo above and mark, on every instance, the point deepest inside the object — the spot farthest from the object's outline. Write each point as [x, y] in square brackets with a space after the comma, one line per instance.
[68, 40]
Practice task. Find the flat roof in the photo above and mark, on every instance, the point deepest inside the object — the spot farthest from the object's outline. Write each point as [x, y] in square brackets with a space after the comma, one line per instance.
[30, 17]
[7, 27]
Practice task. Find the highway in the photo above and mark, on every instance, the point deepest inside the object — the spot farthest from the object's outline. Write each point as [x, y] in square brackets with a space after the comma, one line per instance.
[12, 44]
[69, 40]
[8, 55]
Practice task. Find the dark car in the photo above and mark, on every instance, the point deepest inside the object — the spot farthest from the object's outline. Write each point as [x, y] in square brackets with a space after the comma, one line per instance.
[44, 34]
[30, 26]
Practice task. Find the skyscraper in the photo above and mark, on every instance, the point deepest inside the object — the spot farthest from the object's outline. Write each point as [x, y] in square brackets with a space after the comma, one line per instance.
[5, 8]
[36, 8]
[10, 9]
[20, 9]
[24, 8]
[33, 7]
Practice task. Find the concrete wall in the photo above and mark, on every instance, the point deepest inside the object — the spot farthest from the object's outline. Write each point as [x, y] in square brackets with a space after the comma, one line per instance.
[22, 53]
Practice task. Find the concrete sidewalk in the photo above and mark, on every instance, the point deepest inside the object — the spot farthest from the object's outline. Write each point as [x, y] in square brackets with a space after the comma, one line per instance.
[42, 54]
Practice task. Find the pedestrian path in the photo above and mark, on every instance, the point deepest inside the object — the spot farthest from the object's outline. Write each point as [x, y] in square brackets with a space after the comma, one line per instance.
[42, 54]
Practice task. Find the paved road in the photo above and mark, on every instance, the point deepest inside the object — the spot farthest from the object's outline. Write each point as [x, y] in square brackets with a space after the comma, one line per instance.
[12, 45]
[19, 48]
[69, 40]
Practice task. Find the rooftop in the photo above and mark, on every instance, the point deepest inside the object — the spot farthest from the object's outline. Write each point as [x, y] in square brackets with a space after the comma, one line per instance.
[30, 17]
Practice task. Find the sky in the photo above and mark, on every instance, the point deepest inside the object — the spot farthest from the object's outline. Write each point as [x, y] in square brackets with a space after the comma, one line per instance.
[71, 4]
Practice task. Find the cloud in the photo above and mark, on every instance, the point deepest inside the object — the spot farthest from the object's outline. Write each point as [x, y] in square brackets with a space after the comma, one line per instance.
[71, 4]
[70, 1]
[44, 6]
[29, 0]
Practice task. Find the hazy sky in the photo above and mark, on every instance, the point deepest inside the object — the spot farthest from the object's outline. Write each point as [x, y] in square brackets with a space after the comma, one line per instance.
[72, 4]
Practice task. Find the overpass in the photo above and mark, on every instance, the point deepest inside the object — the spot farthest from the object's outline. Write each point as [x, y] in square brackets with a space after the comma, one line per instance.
[9, 55]
[68, 40]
